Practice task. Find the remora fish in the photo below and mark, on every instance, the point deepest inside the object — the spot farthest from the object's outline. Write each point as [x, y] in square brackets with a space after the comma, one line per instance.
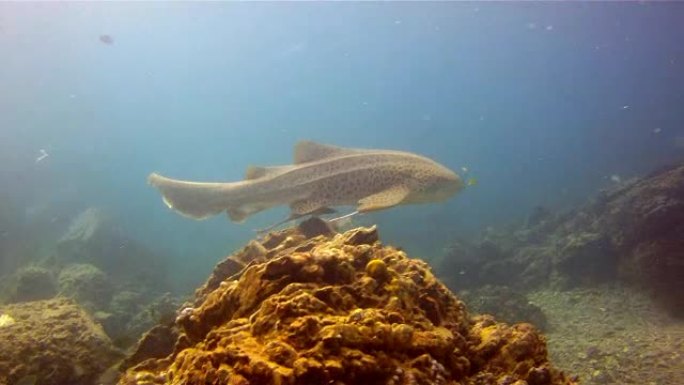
[321, 177]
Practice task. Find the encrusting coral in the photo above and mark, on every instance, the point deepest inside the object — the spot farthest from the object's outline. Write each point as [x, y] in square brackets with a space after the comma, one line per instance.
[338, 309]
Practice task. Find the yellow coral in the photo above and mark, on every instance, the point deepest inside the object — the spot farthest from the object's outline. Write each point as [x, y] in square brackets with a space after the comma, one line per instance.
[487, 333]
[6, 320]
[377, 269]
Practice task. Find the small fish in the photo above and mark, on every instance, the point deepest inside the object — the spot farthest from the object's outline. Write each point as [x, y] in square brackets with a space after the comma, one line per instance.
[615, 178]
[107, 39]
[471, 182]
[321, 177]
[464, 169]
[657, 130]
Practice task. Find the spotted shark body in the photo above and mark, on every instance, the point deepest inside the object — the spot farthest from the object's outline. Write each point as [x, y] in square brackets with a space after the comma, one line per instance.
[321, 177]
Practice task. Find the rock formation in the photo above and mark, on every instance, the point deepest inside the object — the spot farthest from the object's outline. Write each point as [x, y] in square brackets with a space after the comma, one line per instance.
[334, 309]
[632, 232]
[52, 342]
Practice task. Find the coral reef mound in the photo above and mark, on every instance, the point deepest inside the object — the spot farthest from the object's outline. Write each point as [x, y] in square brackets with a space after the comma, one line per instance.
[52, 342]
[338, 309]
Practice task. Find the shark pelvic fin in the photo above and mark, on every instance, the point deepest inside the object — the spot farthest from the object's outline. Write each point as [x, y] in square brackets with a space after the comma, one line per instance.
[309, 207]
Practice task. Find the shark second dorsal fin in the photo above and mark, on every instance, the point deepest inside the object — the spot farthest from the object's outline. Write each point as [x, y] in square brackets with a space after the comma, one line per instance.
[308, 151]
[255, 172]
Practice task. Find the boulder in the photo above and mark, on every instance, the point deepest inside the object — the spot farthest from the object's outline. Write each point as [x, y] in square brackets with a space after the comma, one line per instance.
[52, 342]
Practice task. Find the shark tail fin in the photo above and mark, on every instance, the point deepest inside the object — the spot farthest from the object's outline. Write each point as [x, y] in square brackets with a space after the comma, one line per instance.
[191, 199]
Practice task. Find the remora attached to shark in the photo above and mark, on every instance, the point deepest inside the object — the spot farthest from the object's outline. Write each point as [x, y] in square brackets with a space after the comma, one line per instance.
[322, 176]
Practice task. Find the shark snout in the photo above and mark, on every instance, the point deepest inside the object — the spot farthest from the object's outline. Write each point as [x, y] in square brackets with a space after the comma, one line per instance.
[450, 186]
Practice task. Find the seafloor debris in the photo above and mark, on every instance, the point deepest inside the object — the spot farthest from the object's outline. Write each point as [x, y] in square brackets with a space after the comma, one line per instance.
[613, 335]
[53, 342]
[336, 309]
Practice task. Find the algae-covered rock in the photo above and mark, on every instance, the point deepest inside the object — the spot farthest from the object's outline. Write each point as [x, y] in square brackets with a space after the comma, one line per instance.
[505, 304]
[95, 237]
[632, 232]
[131, 314]
[52, 342]
[585, 257]
[335, 309]
[32, 283]
[85, 283]
[645, 222]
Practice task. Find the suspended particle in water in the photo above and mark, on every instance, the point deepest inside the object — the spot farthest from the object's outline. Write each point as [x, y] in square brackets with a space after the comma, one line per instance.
[43, 154]
[106, 39]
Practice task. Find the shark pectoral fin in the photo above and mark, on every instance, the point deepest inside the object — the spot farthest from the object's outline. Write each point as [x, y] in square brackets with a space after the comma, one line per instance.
[384, 199]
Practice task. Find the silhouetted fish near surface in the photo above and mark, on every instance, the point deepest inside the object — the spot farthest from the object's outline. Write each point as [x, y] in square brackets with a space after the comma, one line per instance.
[107, 39]
[321, 177]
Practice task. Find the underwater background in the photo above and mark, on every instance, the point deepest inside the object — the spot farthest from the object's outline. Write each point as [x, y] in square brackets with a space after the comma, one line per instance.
[540, 104]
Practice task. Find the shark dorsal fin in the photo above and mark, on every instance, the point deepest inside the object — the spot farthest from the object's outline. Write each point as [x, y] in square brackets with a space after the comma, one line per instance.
[255, 172]
[308, 151]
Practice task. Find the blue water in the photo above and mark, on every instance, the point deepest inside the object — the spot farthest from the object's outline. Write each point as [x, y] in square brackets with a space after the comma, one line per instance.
[543, 102]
